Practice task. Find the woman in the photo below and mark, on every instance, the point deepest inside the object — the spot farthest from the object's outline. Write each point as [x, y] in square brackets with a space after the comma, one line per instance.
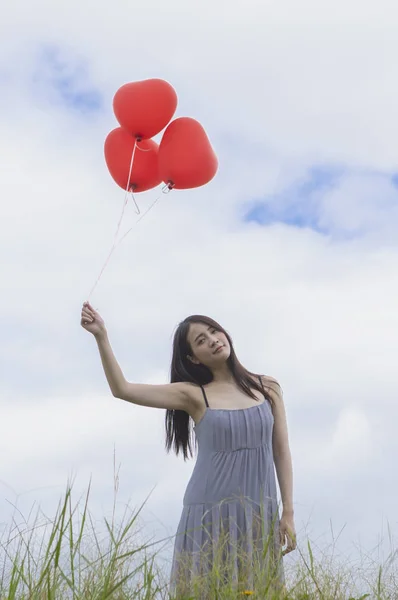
[230, 512]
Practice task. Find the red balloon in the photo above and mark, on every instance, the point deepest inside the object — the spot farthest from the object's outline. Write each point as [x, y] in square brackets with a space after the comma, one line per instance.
[186, 158]
[118, 149]
[144, 108]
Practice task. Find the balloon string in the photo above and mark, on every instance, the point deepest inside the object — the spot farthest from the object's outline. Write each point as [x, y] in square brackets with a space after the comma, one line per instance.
[128, 186]
[126, 197]
[165, 190]
[138, 220]
[136, 147]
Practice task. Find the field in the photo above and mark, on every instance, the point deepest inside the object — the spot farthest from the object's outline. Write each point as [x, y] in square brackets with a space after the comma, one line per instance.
[64, 557]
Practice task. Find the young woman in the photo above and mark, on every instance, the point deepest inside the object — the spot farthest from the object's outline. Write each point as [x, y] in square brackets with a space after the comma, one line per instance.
[239, 425]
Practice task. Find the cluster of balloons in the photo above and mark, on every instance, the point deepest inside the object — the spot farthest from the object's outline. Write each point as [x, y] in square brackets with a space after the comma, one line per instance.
[183, 159]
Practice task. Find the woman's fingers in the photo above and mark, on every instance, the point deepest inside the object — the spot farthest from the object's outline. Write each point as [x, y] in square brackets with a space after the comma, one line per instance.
[88, 306]
[90, 310]
[282, 538]
[294, 541]
[287, 538]
[291, 543]
[90, 316]
[86, 318]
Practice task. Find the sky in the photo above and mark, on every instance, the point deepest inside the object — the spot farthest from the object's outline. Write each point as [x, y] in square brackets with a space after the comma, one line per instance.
[292, 247]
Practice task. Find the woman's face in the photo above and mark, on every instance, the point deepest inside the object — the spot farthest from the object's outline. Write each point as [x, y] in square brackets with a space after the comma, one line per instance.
[209, 346]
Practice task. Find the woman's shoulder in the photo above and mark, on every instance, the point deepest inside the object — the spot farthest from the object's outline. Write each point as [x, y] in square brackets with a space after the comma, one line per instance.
[269, 380]
[271, 383]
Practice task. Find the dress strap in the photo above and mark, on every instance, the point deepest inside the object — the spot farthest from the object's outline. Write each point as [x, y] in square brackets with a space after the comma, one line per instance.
[204, 396]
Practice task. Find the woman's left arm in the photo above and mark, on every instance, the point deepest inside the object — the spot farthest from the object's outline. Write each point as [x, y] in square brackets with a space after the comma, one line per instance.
[283, 462]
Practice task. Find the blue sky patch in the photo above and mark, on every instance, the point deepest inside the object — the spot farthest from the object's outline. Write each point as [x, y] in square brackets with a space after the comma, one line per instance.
[298, 205]
[65, 80]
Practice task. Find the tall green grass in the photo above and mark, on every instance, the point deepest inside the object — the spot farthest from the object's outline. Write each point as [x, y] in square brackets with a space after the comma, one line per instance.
[65, 557]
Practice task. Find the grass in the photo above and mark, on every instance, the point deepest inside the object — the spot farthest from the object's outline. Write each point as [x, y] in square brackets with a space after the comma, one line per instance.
[65, 557]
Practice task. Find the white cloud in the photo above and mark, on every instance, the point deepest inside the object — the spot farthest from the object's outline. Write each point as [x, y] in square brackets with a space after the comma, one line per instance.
[342, 446]
[352, 436]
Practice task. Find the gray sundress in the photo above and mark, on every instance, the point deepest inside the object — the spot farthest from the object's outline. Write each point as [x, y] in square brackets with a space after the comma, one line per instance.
[232, 496]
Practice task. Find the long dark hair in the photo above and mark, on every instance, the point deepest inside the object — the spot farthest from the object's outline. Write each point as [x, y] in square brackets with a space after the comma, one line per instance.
[179, 433]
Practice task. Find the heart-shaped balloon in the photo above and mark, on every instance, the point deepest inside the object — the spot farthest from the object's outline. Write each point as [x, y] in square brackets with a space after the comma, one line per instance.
[144, 108]
[119, 147]
[186, 157]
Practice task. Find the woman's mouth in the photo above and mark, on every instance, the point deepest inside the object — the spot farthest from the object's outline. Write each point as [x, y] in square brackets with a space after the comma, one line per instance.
[218, 349]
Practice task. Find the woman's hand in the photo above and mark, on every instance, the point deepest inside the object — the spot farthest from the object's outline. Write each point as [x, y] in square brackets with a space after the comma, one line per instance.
[91, 321]
[287, 533]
